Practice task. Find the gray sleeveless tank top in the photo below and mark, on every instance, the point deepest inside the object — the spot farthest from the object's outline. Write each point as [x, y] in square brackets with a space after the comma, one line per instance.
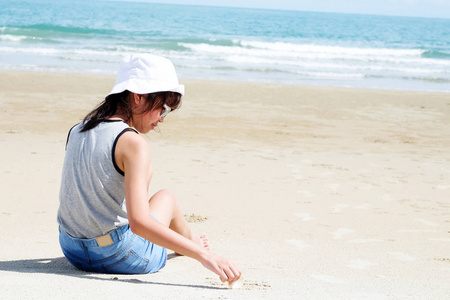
[92, 193]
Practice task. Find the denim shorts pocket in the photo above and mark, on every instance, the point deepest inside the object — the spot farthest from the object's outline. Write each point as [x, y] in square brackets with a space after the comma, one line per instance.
[131, 263]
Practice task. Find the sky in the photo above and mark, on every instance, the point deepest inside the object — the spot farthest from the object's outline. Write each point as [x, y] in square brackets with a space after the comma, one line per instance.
[411, 8]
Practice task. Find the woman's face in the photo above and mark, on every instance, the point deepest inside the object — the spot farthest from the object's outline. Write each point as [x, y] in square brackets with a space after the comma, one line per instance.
[147, 121]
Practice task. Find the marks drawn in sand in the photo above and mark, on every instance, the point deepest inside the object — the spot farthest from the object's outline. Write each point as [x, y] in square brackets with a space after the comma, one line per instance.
[246, 285]
[195, 218]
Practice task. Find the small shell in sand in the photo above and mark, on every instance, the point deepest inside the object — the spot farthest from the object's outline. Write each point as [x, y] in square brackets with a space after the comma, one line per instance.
[237, 284]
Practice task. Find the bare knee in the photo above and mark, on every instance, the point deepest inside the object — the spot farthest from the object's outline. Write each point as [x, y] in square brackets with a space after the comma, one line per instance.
[166, 196]
[164, 206]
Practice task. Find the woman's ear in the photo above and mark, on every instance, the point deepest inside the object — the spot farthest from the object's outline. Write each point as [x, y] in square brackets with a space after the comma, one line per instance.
[137, 98]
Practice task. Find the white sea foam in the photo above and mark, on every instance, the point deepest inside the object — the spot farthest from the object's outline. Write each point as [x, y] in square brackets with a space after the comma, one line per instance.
[12, 38]
[287, 60]
[330, 75]
[305, 51]
[320, 62]
[69, 54]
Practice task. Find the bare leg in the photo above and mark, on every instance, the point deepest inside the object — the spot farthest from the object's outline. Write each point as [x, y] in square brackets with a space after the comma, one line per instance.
[164, 206]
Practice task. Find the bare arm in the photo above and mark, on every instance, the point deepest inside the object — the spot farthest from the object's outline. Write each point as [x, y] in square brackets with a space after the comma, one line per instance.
[133, 157]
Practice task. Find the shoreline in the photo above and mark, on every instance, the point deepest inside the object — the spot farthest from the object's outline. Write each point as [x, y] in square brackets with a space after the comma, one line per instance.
[260, 83]
[317, 193]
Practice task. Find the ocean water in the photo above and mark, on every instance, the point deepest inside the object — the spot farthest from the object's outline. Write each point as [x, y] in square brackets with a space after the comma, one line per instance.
[252, 45]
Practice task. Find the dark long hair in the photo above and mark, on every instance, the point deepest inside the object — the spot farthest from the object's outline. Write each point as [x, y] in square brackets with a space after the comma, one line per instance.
[119, 103]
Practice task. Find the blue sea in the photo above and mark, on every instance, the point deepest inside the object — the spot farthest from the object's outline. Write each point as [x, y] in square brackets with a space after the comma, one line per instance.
[237, 44]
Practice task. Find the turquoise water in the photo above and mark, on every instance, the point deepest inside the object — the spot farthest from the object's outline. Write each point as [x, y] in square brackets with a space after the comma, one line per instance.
[287, 47]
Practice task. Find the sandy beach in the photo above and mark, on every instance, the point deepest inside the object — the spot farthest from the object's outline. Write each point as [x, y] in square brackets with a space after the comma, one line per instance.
[316, 193]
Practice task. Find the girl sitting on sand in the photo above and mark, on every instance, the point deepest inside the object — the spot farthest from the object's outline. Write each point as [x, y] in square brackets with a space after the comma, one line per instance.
[107, 162]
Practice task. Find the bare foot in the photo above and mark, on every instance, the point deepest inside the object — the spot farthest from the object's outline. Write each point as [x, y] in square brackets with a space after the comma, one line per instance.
[200, 239]
[203, 241]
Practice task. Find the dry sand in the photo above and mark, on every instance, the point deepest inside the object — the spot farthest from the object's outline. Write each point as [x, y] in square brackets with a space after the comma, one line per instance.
[317, 193]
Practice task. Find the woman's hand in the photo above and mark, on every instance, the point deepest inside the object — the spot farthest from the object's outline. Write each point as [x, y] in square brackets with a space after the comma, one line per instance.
[223, 267]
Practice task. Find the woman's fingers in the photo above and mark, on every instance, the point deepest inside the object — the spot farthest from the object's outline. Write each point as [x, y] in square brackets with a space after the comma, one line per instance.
[226, 269]
[232, 274]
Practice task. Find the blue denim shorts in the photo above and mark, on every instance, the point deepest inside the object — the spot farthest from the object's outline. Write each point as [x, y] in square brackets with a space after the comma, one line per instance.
[128, 253]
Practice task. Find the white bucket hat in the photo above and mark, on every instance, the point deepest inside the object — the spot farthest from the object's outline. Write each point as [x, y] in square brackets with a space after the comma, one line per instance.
[145, 74]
